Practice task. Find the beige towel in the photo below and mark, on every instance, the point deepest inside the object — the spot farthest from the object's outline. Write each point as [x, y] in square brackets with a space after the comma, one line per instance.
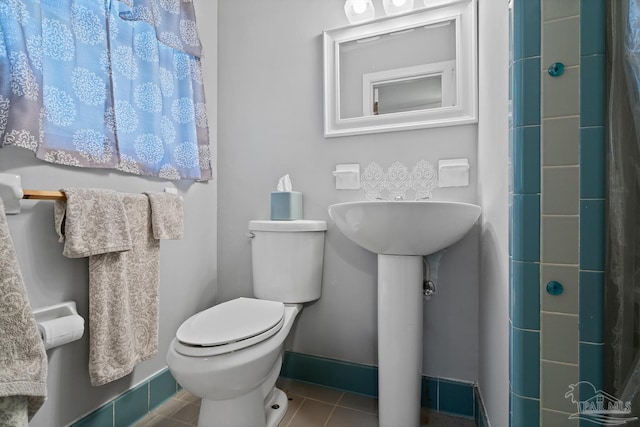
[167, 215]
[23, 361]
[94, 223]
[123, 299]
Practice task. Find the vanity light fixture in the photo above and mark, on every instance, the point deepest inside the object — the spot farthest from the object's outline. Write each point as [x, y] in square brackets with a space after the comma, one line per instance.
[395, 7]
[359, 10]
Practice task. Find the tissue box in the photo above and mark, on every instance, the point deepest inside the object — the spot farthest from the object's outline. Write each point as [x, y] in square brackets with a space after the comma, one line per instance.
[286, 205]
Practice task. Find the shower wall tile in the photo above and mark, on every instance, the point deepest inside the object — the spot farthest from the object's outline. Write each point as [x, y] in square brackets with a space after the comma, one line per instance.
[560, 239]
[560, 9]
[526, 35]
[525, 376]
[526, 94]
[526, 160]
[557, 418]
[555, 381]
[561, 94]
[592, 234]
[591, 307]
[560, 141]
[592, 13]
[525, 304]
[525, 233]
[560, 336]
[524, 412]
[561, 42]
[592, 163]
[559, 195]
[571, 221]
[568, 276]
[593, 91]
[592, 364]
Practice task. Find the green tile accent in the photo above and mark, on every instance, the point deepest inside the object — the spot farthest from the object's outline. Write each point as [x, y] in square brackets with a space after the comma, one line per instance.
[526, 160]
[429, 393]
[363, 379]
[591, 306]
[526, 35]
[525, 223]
[103, 417]
[592, 364]
[526, 93]
[161, 388]
[524, 412]
[132, 406]
[592, 235]
[593, 14]
[592, 163]
[480, 412]
[592, 91]
[525, 355]
[346, 376]
[526, 295]
[455, 398]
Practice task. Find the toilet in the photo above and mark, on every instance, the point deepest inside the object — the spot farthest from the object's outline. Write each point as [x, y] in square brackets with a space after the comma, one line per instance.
[230, 355]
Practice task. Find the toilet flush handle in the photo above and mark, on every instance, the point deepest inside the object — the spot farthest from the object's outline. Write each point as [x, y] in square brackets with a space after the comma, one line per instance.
[250, 234]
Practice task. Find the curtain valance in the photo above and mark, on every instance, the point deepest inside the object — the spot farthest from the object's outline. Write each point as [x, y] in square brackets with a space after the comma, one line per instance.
[173, 20]
[81, 86]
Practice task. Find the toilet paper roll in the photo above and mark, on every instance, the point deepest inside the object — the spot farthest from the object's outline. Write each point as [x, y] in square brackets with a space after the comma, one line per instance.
[61, 330]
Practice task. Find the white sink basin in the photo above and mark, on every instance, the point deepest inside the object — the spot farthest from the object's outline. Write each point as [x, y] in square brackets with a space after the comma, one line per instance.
[404, 227]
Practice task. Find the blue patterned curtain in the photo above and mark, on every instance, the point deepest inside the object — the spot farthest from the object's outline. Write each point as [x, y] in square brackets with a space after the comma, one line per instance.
[105, 84]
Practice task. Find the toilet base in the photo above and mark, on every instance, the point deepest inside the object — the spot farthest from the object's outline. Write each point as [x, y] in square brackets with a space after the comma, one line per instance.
[275, 407]
[250, 410]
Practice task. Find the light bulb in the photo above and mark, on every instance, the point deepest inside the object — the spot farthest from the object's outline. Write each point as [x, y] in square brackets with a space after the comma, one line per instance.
[359, 11]
[395, 7]
[359, 6]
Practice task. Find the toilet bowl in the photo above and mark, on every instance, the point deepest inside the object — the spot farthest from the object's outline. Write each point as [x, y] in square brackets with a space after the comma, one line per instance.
[237, 387]
[231, 354]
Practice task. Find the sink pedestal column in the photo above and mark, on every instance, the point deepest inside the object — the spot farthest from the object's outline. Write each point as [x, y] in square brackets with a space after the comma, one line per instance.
[400, 306]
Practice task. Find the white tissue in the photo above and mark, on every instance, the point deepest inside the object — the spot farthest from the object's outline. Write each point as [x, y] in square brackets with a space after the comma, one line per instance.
[284, 184]
[61, 330]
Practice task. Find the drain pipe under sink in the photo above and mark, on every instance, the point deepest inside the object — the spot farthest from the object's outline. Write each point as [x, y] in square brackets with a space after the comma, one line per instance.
[431, 264]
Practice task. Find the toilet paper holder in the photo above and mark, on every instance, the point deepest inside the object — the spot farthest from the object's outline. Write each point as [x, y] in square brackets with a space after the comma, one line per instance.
[58, 311]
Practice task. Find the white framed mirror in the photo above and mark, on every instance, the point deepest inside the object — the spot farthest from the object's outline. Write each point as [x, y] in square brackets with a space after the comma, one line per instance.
[402, 72]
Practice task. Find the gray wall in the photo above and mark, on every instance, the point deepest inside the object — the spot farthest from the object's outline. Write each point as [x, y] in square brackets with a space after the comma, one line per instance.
[270, 123]
[187, 267]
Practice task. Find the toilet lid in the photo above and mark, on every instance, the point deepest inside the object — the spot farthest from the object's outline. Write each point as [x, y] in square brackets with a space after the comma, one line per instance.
[230, 322]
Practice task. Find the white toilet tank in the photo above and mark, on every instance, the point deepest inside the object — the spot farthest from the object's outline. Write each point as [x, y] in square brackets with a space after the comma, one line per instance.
[287, 259]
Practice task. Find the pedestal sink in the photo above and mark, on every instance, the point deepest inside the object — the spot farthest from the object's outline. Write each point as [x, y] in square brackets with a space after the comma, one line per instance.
[401, 233]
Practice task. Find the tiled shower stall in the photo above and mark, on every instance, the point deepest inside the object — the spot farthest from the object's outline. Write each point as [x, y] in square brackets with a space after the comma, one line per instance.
[557, 206]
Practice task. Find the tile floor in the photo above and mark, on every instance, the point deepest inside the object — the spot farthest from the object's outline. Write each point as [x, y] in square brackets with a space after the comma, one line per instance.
[309, 406]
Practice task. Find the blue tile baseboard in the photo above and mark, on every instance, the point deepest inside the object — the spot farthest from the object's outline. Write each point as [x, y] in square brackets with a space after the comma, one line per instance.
[134, 404]
[443, 395]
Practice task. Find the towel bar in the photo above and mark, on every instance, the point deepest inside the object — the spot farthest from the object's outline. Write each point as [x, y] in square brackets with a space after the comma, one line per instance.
[43, 195]
[11, 193]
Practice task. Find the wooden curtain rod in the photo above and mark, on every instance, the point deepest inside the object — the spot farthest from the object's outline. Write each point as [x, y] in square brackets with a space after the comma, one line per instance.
[43, 195]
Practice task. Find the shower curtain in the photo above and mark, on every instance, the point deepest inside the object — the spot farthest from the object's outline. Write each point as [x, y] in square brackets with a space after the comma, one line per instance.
[622, 275]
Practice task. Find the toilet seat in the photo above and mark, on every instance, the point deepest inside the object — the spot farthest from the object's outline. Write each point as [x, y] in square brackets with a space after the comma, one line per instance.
[230, 326]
